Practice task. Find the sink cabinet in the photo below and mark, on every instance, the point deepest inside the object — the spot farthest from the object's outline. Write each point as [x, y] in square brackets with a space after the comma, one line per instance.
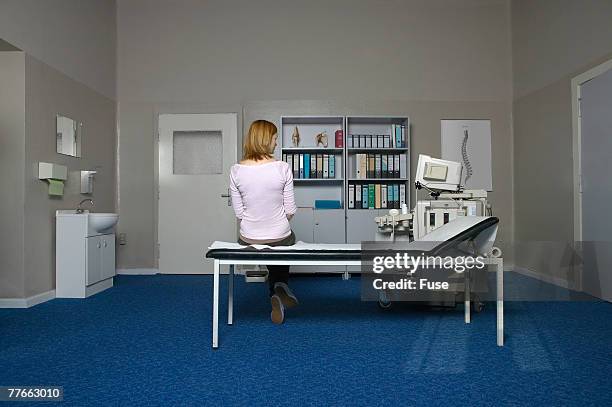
[100, 258]
[85, 257]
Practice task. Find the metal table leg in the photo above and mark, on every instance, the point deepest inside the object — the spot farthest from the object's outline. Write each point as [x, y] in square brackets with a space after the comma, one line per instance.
[467, 295]
[215, 321]
[500, 302]
[230, 295]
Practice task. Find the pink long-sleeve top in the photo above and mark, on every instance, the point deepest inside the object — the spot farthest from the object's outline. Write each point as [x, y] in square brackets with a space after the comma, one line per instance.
[262, 197]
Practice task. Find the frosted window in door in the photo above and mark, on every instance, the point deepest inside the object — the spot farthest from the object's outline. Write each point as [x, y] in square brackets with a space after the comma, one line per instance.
[197, 152]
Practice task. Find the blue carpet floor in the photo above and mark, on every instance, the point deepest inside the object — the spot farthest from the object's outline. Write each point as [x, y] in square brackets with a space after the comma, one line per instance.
[147, 341]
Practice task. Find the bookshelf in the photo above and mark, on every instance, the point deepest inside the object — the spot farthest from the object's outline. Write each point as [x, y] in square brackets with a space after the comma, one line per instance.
[365, 150]
[310, 224]
[361, 136]
[322, 182]
[359, 219]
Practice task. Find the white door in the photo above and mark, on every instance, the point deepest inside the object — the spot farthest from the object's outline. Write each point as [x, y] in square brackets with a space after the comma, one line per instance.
[196, 152]
[596, 156]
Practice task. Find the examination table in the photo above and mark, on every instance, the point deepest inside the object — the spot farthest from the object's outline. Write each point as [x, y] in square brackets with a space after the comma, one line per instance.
[479, 231]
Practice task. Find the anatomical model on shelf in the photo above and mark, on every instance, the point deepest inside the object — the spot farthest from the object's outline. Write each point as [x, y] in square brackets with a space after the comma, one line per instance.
[321, 139]
[295, 137]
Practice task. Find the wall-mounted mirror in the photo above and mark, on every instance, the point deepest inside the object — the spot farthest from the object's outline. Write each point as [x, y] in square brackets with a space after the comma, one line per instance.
[68, 136]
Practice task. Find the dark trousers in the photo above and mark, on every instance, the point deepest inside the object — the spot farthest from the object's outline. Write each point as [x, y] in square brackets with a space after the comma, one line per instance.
[277, 273]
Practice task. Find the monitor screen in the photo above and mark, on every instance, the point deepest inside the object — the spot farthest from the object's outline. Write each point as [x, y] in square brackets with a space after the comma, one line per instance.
[438, 175]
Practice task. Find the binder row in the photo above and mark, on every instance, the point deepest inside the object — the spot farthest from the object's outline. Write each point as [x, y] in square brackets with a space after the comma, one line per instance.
[379, 166]
[307, 166]
[397, 139]
[376, 196]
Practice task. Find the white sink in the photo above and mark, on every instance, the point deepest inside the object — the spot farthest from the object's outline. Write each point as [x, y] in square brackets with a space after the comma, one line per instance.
[102, 221]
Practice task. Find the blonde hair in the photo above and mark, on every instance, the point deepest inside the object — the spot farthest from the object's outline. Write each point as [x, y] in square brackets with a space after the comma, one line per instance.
[258, 143]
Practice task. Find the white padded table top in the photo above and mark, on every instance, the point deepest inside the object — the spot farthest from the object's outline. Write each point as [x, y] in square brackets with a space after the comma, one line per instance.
[297, 246]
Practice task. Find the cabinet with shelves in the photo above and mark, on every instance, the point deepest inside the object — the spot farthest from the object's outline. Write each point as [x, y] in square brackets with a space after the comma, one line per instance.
[351, 140]
[318, 164]
[378, 163]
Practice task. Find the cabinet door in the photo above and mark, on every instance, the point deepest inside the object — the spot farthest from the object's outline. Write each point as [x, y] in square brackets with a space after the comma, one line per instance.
[329, 226]
[360, 225]
[94, 272]
[302, 225]
[108, 256]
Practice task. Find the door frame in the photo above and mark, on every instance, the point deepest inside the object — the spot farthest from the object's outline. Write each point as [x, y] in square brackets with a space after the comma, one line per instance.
[577, 83]
[576, 87]
[178, 108]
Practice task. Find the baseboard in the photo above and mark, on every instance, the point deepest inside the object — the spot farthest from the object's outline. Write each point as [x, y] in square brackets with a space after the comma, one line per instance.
[137, 272]
[27, 302]
[13, 303]
[558, 281]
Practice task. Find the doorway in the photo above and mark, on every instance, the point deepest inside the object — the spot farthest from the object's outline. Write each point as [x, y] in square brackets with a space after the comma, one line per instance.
[196, 152]
[592, 100]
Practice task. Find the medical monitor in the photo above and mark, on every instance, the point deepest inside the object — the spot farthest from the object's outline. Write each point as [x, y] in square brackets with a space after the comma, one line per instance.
[438, 175]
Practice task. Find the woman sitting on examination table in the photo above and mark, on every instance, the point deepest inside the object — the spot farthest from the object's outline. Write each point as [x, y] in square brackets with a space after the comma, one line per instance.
[262, 197]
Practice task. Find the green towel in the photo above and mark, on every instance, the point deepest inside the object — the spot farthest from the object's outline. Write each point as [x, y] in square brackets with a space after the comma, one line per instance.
[56, 187]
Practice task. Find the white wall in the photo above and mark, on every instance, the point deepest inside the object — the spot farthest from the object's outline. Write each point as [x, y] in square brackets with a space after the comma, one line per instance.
[76, 37]
[221, 54]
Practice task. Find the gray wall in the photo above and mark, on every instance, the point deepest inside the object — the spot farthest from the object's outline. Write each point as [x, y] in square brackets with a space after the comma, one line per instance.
[77, 37]
[33, 94]
[70, 64]
[552, 41]
[554, 38]
[429, 59]
[12, 157]
[49, 92]
[225, 50]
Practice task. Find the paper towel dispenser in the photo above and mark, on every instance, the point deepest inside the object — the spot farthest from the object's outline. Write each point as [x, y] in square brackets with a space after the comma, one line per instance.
[52, 171]
[55, 175]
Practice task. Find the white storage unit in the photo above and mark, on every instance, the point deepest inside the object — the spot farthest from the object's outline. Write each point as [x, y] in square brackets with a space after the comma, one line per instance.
[346, 224]
[373, 136]
[84, 257]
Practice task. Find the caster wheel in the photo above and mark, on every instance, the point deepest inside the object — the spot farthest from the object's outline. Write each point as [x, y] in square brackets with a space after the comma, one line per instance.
[383, 300]
[384, 305]
[477, 306]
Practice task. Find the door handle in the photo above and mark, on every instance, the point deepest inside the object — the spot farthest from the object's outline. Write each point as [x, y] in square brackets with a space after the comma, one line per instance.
[228, 196]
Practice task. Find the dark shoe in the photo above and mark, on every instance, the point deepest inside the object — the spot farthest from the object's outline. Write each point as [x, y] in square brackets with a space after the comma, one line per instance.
[286, 295]
[278, 311]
